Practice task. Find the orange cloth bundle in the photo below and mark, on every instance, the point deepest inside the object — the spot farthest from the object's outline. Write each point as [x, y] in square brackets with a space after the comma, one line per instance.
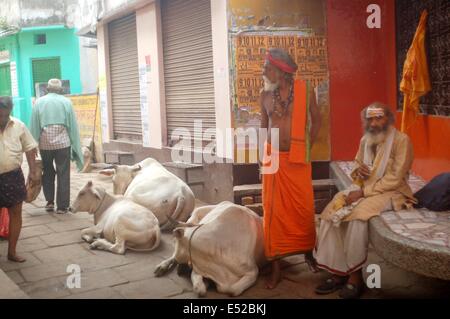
[4, 222]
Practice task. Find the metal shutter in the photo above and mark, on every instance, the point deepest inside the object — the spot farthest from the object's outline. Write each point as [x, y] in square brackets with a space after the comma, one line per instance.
[188, 64]
[124, 74]
[44, 70]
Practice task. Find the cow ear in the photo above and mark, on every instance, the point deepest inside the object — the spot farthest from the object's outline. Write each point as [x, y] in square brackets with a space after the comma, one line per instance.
[178, 232]
[96, 193]
[107, 172]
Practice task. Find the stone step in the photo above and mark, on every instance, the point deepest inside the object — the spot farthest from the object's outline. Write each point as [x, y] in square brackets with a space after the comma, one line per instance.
[247, 190]
[119, 157]
[257, 208]
[191, 174]
[250, 194]
[255, 189]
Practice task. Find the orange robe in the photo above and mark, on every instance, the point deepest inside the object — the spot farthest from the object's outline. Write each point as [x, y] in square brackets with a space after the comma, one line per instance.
[288, 197]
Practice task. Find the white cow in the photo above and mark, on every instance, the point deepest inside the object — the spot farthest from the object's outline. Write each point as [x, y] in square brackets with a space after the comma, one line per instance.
[150, 184]
[119, 221]
[221, 242]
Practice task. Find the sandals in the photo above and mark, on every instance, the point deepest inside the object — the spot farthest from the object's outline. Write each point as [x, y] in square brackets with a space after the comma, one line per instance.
[50, 207]
[330, 285]
[351, 291]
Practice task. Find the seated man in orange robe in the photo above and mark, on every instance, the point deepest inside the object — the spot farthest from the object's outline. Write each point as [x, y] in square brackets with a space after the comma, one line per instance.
[289, 110]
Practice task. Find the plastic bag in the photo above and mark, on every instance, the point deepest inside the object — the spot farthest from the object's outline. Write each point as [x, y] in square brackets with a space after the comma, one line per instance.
[4, 223]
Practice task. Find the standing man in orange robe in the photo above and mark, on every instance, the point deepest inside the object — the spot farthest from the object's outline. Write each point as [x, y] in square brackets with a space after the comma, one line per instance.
[290, 106]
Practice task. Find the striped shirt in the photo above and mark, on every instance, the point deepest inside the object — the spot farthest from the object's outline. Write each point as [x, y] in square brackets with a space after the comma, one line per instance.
[54, 137]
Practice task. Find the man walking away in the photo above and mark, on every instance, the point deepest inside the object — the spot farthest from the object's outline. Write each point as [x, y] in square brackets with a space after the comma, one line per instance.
[54, 125]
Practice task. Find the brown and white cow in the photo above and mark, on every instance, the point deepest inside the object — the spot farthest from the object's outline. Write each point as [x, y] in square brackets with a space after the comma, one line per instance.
[119, 223]
[221, 242]
[150, 184]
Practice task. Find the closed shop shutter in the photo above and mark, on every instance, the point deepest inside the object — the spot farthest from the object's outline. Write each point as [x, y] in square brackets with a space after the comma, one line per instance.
[124, 75]
[188, 65]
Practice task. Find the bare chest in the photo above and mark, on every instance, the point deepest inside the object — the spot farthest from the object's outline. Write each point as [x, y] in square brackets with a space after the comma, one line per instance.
[279, 123]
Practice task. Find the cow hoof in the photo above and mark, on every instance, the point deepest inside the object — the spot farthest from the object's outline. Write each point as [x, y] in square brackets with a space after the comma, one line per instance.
[161, 270]
[87, 239]
[164, 267]
[93, 246]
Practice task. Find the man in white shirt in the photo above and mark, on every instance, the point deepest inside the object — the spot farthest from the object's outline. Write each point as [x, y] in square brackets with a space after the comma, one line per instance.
[15, 139]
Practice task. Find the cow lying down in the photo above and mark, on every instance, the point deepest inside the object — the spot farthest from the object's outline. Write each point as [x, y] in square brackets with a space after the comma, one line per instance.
[221, 242]
[151, 185]
[120, 223]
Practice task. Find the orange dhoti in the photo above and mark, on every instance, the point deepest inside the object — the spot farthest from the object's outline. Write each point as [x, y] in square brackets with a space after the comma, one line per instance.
[288, 201]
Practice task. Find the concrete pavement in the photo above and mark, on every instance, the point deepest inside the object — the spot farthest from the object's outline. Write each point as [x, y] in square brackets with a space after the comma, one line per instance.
[52, 242]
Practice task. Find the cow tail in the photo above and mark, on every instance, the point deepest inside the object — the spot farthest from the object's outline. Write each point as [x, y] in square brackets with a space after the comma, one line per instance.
[176, 213]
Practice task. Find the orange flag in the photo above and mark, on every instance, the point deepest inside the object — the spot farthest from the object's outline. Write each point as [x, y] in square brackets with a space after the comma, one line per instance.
[416, 80]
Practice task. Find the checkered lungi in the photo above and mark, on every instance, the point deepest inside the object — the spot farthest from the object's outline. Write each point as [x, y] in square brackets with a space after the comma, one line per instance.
[12, 188]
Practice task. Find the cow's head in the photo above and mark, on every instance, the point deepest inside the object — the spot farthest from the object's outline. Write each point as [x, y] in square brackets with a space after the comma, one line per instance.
[183, 239]
[181, 246]
[122, 176]
[88, 199]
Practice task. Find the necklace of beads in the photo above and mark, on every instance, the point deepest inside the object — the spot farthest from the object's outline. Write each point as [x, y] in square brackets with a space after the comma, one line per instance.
[276, 98]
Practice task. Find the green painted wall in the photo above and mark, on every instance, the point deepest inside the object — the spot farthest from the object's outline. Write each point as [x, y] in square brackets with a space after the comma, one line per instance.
[60, 42]
[10, 44]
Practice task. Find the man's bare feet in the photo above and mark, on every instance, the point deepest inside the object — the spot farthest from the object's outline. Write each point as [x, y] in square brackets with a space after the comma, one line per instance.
[275, 275]
[16, 258]
[267, 269]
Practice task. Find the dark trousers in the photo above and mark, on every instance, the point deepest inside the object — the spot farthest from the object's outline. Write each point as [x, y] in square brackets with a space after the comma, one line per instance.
[62, 162]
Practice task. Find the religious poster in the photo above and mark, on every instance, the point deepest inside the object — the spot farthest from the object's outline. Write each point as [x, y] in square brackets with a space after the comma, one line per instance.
[310, 54]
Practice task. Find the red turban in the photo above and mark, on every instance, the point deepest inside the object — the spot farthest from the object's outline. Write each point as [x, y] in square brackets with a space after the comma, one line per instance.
[283, 66]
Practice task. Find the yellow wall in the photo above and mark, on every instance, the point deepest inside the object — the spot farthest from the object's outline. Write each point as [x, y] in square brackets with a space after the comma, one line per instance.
[278, 13]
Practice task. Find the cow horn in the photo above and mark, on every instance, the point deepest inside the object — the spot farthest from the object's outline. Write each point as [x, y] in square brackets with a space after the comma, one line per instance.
[172, 223]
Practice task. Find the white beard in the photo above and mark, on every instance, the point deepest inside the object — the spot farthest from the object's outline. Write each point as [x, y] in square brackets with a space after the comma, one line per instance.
[269, 86]
[376, 139]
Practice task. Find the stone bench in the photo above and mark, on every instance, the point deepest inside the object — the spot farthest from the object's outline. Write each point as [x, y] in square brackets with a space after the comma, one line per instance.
[417, 240]
[250, 195]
